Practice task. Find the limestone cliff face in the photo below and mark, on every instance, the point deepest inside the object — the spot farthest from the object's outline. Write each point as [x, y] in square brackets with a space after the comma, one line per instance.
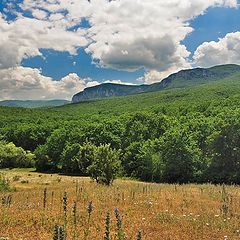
[107, 90]
[184, 78]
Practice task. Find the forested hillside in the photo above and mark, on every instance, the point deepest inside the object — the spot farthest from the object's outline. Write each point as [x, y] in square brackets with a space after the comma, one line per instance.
[178, 135]
[181, 79]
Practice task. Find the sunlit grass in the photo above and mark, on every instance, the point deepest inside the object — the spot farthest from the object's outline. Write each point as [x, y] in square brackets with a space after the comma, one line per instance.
[159, 211]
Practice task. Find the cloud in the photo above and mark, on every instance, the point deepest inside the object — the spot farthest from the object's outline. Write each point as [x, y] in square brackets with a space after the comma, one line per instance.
[39, 14]
[158, 54]
[28, 83]
[129, 35]
[156, 76]
[95, 83]
[24, 37]
[123, 34]
[225, 50]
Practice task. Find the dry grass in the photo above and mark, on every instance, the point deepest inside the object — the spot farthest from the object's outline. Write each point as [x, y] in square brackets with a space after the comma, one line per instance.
[166, 212]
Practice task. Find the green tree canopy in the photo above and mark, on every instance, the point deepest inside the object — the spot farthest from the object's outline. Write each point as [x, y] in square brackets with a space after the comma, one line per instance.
[105, 165]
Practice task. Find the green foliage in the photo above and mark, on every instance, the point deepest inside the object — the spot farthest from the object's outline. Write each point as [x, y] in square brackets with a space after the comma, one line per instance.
[43, 162]
[4, 184]
[177, 135]
[76, 158]
[143, 126]
[105, 165]
[29, 136]
[180, 156]
[12, 156]
[224, 152]
[136, 164]
[56, 143]
[70, 158]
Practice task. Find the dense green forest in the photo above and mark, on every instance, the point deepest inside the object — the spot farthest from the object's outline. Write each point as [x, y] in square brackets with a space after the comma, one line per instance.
[179, 135]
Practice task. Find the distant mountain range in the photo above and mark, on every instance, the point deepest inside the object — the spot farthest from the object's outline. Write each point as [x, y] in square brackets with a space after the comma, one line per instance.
[182, 79]
[33, 103]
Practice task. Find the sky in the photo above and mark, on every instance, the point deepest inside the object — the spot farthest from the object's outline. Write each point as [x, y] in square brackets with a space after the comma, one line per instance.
[52, 49]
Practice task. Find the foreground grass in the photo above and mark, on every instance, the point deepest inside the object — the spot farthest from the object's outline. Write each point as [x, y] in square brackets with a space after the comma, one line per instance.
[161, 211]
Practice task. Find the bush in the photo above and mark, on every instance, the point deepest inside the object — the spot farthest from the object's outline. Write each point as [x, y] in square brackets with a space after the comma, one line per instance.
[13, 157]
[105, 165]
[43, 162]
[76, 158]
[4, 184]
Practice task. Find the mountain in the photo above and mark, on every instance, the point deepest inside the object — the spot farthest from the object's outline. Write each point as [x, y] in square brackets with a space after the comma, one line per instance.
[182, 79]
[33, 103]
[108, 90]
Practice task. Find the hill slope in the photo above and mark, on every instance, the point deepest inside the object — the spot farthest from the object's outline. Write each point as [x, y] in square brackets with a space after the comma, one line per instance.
[184, 78]
[169, 99]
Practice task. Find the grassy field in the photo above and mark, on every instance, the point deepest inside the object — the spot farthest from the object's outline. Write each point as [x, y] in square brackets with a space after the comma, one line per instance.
[160, 211]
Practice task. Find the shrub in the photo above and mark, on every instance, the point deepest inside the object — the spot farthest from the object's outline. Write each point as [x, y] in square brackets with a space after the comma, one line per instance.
[12, 156]
[105, 166]
[4, 184]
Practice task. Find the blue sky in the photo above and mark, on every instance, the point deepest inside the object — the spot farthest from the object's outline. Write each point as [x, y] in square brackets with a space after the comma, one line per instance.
[216, 23]
[84, 43]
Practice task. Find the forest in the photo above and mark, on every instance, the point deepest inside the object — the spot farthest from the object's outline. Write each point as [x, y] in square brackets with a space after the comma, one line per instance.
[174, 136]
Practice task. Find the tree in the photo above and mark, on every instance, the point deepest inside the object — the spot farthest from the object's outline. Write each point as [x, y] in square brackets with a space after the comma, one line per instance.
[150, 158]
[29, 136]
[86, 157]
[43, 162]
[108, 132]
[49, 155]
[139, 161]
[180, 156]
[56, 143]
[144, 126]
[105, 165]
[69, 158]
[76, 158]
[224, 153]
[14, 157]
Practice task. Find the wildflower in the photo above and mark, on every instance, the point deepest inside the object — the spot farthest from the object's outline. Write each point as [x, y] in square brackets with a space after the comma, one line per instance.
[90, 208]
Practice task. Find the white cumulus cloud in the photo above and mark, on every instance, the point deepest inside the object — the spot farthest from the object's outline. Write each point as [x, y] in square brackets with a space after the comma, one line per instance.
[24, 37]
[226, 50]
[129, 35]
[29, 83]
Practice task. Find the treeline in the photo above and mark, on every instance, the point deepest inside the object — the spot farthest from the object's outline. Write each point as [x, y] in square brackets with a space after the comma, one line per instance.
[190, 146]
[180, 135]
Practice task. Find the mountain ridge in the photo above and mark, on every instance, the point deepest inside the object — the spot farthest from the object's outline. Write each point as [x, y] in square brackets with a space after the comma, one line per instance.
[183, 78]
[34, 103]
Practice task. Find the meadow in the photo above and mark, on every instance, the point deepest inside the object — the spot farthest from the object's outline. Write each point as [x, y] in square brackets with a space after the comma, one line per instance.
[147, 211]
[177, 136]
